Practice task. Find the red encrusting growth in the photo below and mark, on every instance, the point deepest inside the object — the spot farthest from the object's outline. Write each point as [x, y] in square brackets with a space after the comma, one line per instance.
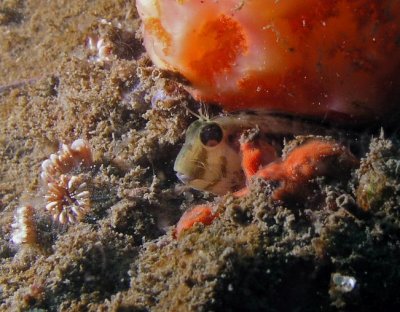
[199, 214]
[303, 164]
[251, 159]
[155, 27]
[222, 41]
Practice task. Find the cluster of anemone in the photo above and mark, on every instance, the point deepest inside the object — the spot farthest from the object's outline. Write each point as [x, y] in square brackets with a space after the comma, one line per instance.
[68, 196]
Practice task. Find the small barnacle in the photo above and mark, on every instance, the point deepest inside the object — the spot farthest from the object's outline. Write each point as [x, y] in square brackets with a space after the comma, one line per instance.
[68, 197]
[340, 286]
[99, 48]
[343, 283]
[24, 228]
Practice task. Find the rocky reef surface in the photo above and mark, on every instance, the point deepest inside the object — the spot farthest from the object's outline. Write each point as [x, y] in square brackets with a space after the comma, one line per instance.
[77, 70]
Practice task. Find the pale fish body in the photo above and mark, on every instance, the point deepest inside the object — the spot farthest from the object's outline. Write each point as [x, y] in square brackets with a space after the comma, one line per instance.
[210, 158]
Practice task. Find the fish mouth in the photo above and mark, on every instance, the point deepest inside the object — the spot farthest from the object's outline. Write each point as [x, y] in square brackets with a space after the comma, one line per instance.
[184, 178]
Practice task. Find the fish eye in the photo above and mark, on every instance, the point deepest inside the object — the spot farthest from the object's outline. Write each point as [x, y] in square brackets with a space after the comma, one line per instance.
[211, 135]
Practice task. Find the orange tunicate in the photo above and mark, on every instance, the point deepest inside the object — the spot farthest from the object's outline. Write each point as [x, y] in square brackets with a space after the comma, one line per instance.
[324, 58]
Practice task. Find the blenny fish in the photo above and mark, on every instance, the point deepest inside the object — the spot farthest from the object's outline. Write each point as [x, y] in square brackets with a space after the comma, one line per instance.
[210, 158]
